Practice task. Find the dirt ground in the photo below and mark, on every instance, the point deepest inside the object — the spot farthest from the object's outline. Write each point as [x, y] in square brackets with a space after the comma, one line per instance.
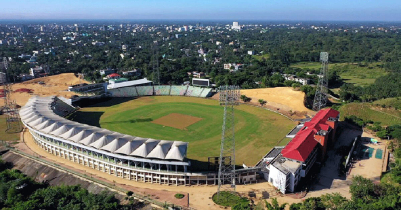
[198, 197]
[285, 98]
[175, 120]
[53, 85]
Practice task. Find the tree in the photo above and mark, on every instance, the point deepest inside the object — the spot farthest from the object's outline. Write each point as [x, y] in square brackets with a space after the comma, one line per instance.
[262, 102]
[274, 205]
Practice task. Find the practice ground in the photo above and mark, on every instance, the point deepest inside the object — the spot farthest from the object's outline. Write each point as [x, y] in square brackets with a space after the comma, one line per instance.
[285, 98]
[257, 130]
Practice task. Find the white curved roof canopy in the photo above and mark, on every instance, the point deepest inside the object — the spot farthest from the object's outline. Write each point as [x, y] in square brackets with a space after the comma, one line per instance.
[41, 113]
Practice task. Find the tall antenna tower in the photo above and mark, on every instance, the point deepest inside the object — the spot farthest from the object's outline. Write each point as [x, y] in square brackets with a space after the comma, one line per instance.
[155, 64]
[229, 97]
[10, 107]
[321, 90]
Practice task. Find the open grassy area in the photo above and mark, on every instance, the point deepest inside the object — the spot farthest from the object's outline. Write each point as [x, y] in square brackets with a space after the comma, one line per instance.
[257, 130]
[225, 198]
[389, 103]
[350, 73]
[5, 136]
[367, 111]
[261, 57]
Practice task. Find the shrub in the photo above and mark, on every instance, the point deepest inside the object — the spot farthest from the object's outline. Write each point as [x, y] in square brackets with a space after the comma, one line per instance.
[179, 196]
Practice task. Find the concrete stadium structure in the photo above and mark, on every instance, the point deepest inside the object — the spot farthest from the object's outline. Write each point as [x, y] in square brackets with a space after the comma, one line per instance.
[128, 157]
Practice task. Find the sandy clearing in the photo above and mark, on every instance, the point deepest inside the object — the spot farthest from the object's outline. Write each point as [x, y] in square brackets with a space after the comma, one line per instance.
[281, 97]
[53, 85]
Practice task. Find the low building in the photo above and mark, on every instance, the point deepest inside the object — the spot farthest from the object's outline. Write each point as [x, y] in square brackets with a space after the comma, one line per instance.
[111, 81]
[284, 169]
[107, 71]
[135, 72]
[233, 66]
[139, 82]
[36, 71]
[113, 76]
[291, 77]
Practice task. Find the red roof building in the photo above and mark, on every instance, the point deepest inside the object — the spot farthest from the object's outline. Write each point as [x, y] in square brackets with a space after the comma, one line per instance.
[113, 76]
[320, 130]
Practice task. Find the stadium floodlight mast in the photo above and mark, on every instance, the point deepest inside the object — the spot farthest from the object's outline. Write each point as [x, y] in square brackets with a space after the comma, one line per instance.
[229, 97]
[320, 99]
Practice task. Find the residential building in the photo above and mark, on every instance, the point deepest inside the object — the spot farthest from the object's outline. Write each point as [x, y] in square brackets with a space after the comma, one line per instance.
[291, 77]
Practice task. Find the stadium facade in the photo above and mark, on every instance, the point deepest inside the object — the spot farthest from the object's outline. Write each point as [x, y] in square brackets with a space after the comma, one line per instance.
[134, 158]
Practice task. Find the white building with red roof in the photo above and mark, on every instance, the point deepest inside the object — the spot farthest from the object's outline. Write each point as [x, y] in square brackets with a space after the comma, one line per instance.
[308, 146]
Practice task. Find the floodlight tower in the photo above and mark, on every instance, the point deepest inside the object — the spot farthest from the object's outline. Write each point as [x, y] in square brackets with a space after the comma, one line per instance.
[321, 89]
[10, 107]
[229, 97]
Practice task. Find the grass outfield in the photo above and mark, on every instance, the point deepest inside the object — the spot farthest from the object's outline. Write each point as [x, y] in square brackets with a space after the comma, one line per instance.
[257, 130]
[367, 111]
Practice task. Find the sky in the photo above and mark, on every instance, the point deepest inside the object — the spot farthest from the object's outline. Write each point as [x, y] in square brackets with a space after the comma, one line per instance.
[305, 10]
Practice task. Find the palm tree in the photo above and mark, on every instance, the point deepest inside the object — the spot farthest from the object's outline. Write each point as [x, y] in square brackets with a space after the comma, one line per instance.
[274, 205]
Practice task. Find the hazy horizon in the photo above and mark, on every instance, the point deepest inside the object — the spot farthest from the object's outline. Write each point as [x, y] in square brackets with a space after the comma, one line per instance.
[258, 10]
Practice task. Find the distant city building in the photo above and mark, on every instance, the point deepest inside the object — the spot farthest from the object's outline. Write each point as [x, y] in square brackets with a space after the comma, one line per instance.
[233, 66]
[236, 26]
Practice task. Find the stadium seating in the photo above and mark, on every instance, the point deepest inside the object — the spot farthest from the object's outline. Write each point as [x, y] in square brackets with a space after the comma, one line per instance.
[61, 108]
[178, 90]
[205, 92]
[124, 92]
[162, 90]
[189, 90]
[144, 90]
[196, 92]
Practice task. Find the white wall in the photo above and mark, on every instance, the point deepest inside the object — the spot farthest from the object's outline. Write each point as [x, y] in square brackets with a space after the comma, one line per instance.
[277, 178]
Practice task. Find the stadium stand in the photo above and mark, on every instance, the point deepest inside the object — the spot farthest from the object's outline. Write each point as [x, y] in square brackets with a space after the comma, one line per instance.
[178, 90]
[124, 92]
[144, 90]
[205, 92]
[162, 90]
[189, 90]
[196, 91]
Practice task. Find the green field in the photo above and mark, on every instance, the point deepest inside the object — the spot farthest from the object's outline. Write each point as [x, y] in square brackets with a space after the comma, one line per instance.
[367, 111]
[350, 73]
[257, 130]
[5, 136]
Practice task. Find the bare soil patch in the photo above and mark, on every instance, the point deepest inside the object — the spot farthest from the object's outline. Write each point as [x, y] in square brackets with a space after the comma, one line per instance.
[285, 98]
[175, 120]
[51, 85]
